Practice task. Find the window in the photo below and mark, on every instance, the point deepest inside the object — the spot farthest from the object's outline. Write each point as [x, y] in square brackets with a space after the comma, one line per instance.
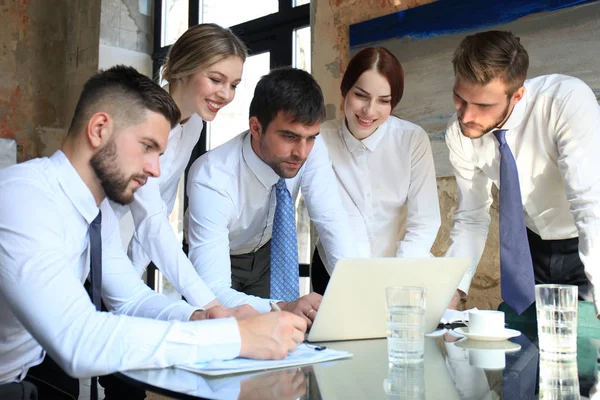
[277, 34]
[233, 119]
[233, 12]
[175, 20]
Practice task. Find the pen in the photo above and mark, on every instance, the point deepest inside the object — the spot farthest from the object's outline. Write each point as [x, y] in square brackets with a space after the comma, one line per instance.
[274, 306]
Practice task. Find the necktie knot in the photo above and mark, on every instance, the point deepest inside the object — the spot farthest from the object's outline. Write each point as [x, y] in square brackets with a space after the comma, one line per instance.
[98, 219]
[280, 184]
[500, 136]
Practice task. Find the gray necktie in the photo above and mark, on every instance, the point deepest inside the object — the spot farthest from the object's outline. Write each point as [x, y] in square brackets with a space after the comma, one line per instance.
[96, 277]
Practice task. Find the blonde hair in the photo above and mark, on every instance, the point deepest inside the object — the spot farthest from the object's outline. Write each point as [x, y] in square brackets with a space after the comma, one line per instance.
[485, 56]
[199, 47]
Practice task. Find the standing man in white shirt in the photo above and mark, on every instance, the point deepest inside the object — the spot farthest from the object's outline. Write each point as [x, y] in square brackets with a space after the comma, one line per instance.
[50, 235]
[233, 198]
[549, 126]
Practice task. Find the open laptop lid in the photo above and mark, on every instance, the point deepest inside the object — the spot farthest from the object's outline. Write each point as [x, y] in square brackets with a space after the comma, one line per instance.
[354, 304]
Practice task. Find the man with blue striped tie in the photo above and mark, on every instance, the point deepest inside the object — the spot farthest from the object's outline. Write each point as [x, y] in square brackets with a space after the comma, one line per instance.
[537, 140]
[242, 195]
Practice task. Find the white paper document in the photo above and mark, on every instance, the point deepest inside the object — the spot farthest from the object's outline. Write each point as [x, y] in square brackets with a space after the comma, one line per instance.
[305, 354]
[451, 316]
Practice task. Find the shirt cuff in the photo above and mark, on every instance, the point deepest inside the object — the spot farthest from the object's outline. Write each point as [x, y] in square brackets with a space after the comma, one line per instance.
[218, 339]
[465, 282]
[198, 293]
[261, 305]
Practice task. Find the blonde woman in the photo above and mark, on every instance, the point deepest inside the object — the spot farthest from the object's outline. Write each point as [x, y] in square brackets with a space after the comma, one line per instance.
[203, 69]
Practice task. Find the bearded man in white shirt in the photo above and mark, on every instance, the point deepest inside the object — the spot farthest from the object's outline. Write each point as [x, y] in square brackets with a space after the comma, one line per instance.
[233, 200]
[121, 125]
[550, 125]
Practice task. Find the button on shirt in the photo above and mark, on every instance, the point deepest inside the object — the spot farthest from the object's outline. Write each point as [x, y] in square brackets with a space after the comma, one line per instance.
[231, 206]
[154, 238]
[553, 135]
[44, 260]
[377, 177]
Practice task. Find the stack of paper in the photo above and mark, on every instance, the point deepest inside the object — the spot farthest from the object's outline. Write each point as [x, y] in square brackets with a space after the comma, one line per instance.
[305, 354]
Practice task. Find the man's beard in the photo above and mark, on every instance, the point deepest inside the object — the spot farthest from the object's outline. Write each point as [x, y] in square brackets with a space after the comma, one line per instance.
[486, 129]
[105, 165]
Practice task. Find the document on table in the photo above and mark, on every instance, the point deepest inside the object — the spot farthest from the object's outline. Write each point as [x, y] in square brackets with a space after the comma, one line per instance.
[303, 355]
[452, 316]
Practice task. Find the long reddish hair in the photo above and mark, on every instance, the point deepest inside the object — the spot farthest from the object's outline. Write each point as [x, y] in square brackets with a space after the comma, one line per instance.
[381, 60]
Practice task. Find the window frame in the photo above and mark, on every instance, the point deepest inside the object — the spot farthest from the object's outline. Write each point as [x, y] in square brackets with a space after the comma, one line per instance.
[273, 33]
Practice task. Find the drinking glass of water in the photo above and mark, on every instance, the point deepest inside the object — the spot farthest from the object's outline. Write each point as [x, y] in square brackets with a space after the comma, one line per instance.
[556, 307]
[405, 324]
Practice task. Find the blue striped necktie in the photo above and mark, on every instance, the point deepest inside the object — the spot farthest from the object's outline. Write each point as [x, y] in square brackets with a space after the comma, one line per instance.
[516, 267]
[284, 247]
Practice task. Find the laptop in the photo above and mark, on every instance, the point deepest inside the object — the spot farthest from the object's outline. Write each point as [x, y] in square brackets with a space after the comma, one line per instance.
[354, 304]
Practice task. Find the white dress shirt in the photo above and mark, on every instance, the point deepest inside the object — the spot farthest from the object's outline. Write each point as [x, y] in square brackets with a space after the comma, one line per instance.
[553, 135]
[154, 238]
[231, 207]
[377, 177]
[44, 260]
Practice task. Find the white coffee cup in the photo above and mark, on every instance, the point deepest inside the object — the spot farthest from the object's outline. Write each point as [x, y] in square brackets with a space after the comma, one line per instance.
[487, 359]
[485, 322]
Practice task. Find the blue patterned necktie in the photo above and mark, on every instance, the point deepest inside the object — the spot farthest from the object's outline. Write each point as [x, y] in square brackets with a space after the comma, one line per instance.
[284, 247]
[516, 268]
[95, 277]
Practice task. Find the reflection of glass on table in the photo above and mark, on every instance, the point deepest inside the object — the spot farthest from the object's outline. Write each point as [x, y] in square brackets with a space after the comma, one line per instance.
[559, 379]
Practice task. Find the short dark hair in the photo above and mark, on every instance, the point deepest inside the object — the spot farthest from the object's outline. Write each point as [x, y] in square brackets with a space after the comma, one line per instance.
[381, 60]
[485, 56]
[291, 91]
[125, 94]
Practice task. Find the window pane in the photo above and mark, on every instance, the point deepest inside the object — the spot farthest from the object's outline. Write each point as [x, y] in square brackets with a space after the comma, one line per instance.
[232, 12]
[175, 20]
[302, 48]
[302, 60]
[300, 2]
[233, 118]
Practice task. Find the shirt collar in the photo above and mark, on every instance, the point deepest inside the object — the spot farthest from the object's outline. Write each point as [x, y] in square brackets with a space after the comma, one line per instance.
[370, 142]
[74, 187]
[516, 117]
[263, 172]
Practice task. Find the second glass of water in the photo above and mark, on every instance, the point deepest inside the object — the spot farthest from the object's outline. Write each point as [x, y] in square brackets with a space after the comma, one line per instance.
[405, 323]
[556, 307]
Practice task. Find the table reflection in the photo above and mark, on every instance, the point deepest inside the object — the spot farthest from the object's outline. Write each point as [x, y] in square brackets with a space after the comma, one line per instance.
[453, 368]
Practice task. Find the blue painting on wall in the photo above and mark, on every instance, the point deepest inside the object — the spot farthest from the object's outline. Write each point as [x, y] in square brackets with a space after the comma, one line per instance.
[560, 36]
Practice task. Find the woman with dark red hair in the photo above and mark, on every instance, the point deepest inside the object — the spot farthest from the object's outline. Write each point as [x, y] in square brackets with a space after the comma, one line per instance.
[384, 166]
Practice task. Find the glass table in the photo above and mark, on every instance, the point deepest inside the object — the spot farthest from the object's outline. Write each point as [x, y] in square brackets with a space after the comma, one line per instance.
[452, 368]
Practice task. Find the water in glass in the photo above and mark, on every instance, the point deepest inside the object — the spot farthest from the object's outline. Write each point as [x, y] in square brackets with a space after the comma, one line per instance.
[406, 327]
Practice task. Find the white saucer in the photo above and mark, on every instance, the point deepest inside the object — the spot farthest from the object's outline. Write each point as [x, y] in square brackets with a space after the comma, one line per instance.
[505, 345]
[499, 336]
